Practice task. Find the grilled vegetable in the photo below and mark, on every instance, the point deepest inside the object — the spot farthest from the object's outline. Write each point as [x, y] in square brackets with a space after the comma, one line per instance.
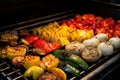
[75, 47]
[115, 42]
[10, 36]
[42, 44]
[60, 74]
[18, 61]
[62, 33]
[70, 69]
[47, 46]
[64, 55]
[29, 39]
[102, 37]
[78, 60]
[49, 61]
[106, 48]
[15, 51]
[73, 64]
[0, 53]
[34, 71]
[91, 54]
[48, 76]
[39, 51]
[31, 61]
[63, 41]
[91, 42]
[3, 52]
[23, 32]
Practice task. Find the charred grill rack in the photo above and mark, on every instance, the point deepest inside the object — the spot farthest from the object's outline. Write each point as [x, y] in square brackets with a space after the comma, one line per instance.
[96, 71]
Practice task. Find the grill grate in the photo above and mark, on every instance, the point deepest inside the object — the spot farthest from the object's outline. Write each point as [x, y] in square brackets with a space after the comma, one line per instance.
[10, 72]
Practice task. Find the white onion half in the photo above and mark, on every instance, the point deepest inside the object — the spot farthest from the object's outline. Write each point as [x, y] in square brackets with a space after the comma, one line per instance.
[91, 42]
[115, 42]
[106, 48]
[75, 47]
[91, 54]
[102, 37]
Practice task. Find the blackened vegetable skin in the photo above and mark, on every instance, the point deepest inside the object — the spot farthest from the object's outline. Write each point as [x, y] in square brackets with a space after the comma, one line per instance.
[48, 76]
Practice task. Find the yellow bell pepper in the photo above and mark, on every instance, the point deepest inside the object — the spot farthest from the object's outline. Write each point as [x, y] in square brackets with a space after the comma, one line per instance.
[49, 61]
[63, 41]
[60, 74]
[15, 51]
[31, 61]
[34, 71]
[90, 34]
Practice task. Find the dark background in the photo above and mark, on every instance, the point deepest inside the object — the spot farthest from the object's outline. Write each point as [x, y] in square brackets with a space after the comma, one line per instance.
[13, 11]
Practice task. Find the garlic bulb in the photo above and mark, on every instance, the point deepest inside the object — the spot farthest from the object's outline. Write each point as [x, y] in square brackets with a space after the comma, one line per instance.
[91, 54]
[91, 42]
[106, 48]
[75, 47]
[115, 42]
[102, 37]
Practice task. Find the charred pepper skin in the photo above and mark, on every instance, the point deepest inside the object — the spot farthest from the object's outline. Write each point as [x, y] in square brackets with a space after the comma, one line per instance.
[47, 46]
[78, 60]
[71, 70]
[68, 68]
[63, 55]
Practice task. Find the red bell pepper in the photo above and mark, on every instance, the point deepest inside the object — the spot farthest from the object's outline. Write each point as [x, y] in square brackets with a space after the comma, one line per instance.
[47, 46]
[54, 45]
[30, 38]
[42, 44]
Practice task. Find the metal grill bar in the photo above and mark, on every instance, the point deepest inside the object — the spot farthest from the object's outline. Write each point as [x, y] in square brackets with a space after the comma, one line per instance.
[18, 77]
[4, 68]
[13, 72]
[3, 63]
[42, 22]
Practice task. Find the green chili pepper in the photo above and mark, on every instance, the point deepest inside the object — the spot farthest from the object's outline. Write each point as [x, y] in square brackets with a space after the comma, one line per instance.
[78, 60]
[66, 56]
[71, 70]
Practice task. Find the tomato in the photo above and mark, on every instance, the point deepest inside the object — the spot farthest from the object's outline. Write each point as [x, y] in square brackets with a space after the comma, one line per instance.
[108, 22]
[72, 20]
[98, 18]
[102, 30]
[76, 25]
[117, 27]
[111, 31]
[68, 23]
[89, 17]
[73, 26]
[30, 38]
[78, 18]
[117, 33]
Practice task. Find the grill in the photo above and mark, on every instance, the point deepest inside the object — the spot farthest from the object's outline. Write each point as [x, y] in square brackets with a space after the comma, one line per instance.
[96, 71]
